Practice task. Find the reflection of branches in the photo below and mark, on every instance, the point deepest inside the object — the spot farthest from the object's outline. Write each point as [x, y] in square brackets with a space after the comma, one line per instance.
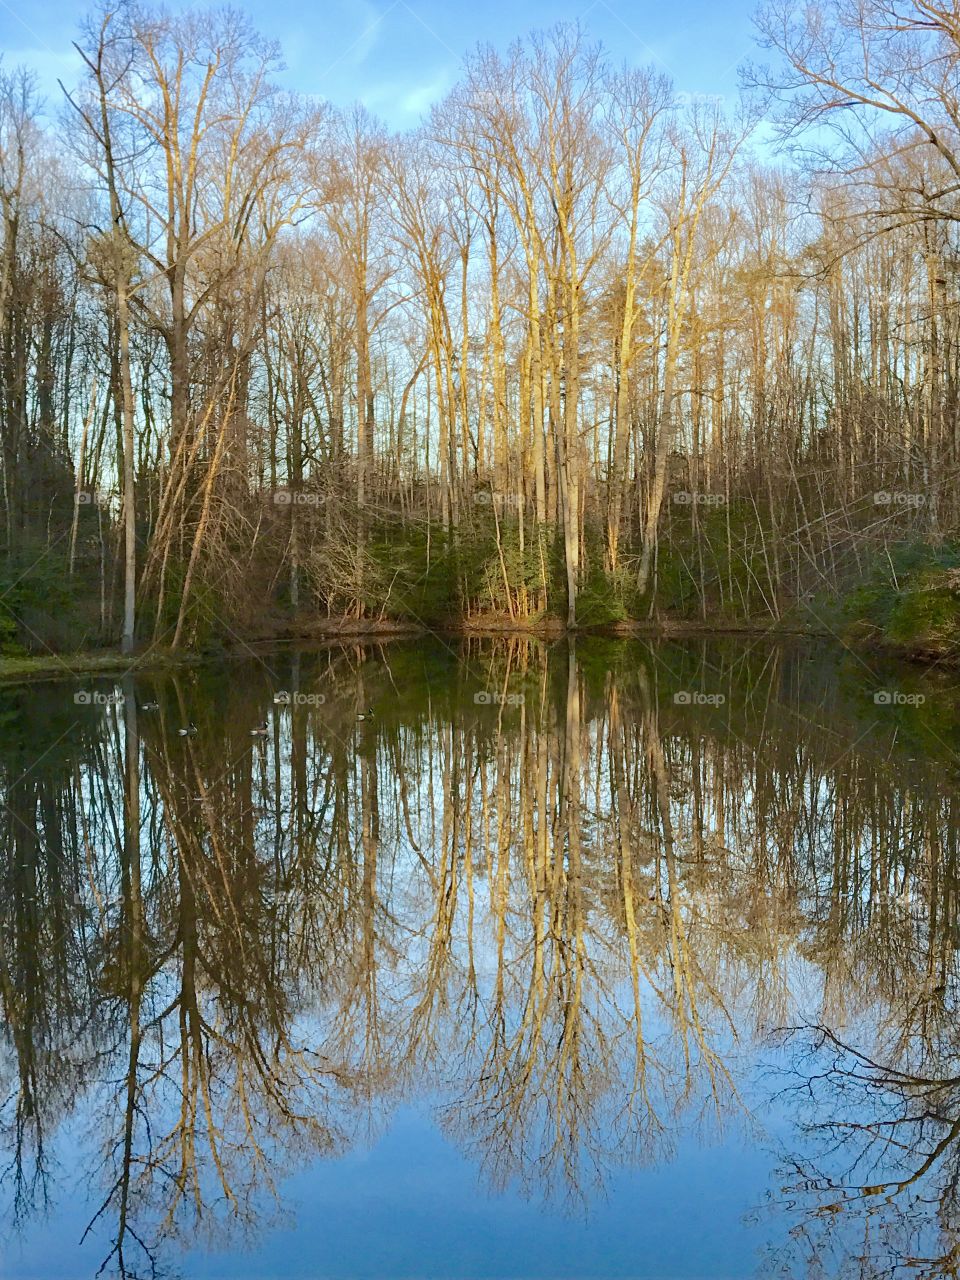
[554, 1098]
[216, 1079]
[563, 918]
[884, 1144]
[46, 1007]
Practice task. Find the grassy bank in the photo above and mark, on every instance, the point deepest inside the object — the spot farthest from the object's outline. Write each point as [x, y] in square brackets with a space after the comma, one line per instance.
[905, 605]
[917, 616]
[105, 662]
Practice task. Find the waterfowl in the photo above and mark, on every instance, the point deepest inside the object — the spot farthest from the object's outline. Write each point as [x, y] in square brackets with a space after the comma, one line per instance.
[366, 715]
[189, 731]
[149, 706]
[260, 730]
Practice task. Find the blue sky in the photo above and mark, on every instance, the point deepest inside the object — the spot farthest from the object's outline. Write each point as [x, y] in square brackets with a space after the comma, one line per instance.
[399, 56]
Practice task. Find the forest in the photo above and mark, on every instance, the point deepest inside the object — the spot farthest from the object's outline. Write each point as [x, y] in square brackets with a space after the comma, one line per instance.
[580, 349]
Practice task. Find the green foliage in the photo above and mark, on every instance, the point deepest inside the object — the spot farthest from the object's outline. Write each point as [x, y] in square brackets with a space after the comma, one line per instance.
[711, 561]
[9, 644]
[601, 599]
[910, 597]
[522, 566]
[42, 608]
[443, 576]
[415, 577]
[928, 610]
[210, 614]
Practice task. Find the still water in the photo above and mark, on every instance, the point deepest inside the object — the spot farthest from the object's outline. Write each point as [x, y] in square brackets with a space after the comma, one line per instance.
[482, 960]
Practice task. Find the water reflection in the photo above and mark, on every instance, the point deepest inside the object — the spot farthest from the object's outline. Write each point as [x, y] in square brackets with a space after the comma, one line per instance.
[578, 897]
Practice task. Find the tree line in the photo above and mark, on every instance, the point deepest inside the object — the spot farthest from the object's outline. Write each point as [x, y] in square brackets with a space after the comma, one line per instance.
[578, 345]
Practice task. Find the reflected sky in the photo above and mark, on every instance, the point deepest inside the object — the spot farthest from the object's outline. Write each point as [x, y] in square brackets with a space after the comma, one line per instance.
[409, 1205]
[625, 960]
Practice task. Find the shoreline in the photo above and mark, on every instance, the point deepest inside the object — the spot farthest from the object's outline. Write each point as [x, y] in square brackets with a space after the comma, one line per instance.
[26, 668]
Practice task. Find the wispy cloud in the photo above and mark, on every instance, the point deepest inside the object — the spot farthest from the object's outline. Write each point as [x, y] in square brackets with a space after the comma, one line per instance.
[401, 98]
[367, 26]
[423, 96]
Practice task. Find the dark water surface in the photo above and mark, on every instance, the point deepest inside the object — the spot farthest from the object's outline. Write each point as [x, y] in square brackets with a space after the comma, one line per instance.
[622, 960]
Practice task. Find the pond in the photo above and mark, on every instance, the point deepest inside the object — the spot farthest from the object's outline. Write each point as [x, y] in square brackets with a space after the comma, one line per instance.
[483, 959]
